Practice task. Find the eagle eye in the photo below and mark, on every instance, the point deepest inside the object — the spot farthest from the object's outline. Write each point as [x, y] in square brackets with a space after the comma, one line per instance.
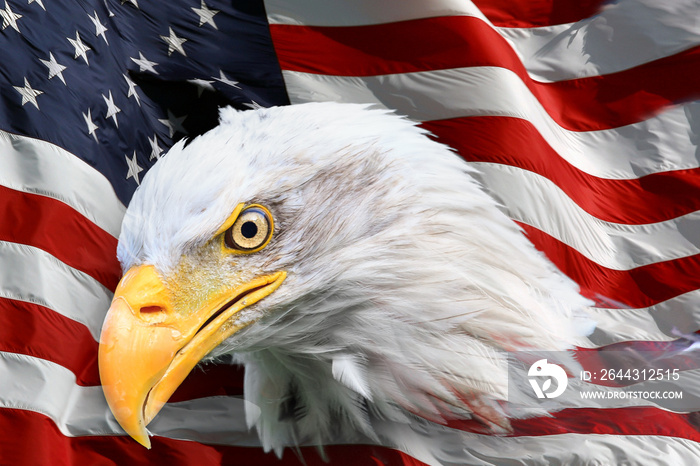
[251, 231]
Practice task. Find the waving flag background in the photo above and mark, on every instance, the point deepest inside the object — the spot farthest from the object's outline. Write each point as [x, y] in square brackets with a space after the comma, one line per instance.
[582, 117]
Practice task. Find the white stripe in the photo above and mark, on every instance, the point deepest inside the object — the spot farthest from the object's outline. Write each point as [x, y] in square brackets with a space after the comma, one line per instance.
[45, 387]
[362, 12]
[559, 449]
[661, 143]
[35, 166]
[668, 320]
[42, 386]
[624, 34]
[664, 142]
[422, 96]
[612, 245]
[33, 275]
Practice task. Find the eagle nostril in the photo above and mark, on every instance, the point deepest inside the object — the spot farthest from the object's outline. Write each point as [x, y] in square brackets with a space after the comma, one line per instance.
[151, 309]
[153, 314]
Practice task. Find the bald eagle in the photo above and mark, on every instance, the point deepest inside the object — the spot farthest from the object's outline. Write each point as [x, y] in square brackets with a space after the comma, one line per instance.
[351, 263]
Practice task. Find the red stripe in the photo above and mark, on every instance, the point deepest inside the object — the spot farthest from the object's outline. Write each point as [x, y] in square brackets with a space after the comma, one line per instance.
[56, 228]
[210, 380]
[628, 363]
[29, 438]
[584, 104]
[512, 141]
[639, 287]
[34, 330]
[611, 421]
[534, 13]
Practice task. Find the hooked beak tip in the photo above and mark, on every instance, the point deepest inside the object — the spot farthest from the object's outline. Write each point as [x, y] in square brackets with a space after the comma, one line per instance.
[143, 439]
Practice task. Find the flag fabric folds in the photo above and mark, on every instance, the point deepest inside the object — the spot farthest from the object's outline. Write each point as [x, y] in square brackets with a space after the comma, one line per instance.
[581, 117]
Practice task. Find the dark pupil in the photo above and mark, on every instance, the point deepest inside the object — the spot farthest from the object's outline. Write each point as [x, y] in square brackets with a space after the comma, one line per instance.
[249, 229]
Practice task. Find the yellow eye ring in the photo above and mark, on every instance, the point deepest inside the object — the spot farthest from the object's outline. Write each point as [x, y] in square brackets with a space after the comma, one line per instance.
[248, 230]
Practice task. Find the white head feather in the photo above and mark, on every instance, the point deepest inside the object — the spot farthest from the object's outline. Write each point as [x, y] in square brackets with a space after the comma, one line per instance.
[405, 280]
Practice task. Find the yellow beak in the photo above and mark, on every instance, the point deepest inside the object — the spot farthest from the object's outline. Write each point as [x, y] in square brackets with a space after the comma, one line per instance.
[147, 347]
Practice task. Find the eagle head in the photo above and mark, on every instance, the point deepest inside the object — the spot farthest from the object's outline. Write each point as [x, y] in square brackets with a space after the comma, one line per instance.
[352, 264]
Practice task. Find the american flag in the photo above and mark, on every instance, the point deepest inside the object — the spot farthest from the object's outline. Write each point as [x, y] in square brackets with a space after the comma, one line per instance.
[581, 116]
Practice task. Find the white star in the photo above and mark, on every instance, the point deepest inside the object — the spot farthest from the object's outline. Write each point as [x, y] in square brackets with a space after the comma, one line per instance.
[28, 94]
[174, 123]
[174, 42]
[41, 4]
[155, 148]
[254, 105]
[55, 68]
[202, 85]
[206, 15]
[100, 29]
[91, 125]
[224, 79]
[134, 2]
[9, 18]
[134, 168]
[132, 89]
[112, 109]
[145, 65]
[80, 48]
